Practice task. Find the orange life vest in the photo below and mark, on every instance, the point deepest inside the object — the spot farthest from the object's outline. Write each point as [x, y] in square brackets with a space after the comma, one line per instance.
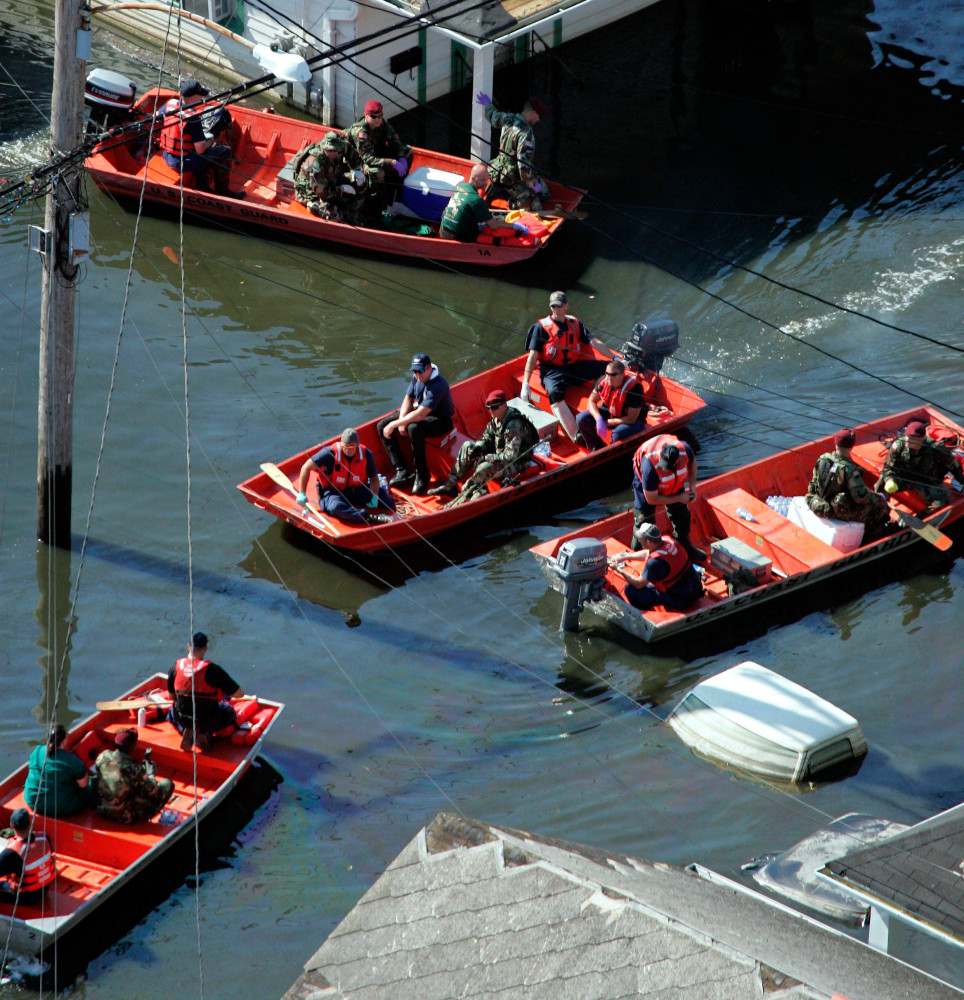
[187, 669]
[556, 350]
[670, 480]
[347, 472]
[612, 398]
[673, 554]
[172, 139]
[38, 863]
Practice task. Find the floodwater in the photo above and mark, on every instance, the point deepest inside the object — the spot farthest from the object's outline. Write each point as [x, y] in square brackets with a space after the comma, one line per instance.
[816, 144]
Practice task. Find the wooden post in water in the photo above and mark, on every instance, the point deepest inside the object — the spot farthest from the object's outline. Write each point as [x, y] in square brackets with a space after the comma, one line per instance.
[55, 402]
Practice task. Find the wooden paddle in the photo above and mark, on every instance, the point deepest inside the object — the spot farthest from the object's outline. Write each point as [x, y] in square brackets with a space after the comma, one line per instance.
[274, 473]
[926, 531]
[127, 704]
[564, 213]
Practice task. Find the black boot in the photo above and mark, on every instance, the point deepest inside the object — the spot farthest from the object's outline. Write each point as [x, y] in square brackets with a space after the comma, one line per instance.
[450, 488]
[696, 555]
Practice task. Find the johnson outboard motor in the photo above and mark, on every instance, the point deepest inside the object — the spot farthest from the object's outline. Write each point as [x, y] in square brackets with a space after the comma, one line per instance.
[581, 565]
[650, 344]
[110, 97]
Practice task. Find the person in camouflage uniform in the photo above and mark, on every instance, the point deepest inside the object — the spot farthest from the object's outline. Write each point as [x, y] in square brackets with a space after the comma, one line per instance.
[329, 179]
[914, 463]
[512, 173]
[837, 488]
[503, 450]
[385, 158]
[128, 792]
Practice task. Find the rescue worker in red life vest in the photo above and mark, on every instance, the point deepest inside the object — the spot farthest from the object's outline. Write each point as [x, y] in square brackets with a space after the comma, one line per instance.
[186, 147]
[201, 691]
[555, 342]
[668, 578]
[347, 482]
[26, 862]
[664, 473]
[616, 408]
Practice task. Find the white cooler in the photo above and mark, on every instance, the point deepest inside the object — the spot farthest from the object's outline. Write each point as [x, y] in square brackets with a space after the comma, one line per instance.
[426, 191]
[845, 536]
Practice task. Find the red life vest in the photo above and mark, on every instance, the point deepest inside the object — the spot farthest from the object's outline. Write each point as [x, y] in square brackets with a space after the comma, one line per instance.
[670, 481]
[560, 344]
[184, 670]
[673, 554]
[347, 472]
[612, 398]
[172, 139]
[38, 863]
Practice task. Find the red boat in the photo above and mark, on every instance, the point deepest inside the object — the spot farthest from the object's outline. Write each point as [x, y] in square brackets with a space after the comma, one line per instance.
[565, 464]
[786, 562]
[99, 861]
[262, 145]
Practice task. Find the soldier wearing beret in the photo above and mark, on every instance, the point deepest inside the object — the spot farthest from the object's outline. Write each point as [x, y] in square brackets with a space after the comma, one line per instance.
[512, 172]
[837, 488]
[385, 158]
[914, 462]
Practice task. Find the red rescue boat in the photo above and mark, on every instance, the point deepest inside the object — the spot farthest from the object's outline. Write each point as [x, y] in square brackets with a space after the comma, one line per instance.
[552, 478]
[263, 143]
[764, 564]
[99, 861]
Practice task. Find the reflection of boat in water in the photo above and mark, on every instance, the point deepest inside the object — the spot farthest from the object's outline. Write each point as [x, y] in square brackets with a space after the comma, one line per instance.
[732, 520]
[263, 143]
[549, 477]
[100, 863]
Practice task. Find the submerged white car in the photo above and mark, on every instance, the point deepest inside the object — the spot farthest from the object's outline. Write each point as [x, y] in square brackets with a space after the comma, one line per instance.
[751, 718]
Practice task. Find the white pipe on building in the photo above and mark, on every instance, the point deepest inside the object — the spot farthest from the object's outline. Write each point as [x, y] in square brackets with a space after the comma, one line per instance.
[483, 62]
[341, 10]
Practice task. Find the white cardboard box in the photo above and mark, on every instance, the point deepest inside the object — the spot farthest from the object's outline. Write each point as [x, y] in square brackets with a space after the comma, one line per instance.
[842, 535]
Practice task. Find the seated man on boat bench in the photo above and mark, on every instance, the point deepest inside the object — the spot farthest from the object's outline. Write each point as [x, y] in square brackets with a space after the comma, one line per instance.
[385, 157]
[467, 214]
[616, 408]
[26, 861]
[201, 691]
[914, 462]
[668, 578]
[187, 148]
[347, 482]
[329, 179]
[503, 451]
[127, 791]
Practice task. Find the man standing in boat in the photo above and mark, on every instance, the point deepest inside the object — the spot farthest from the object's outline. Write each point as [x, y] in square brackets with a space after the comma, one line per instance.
[616, 408]
[503, 450]
[347, 482]
[555, 343]
[837, 488]
[664, 474]
[329, 179]
[426, 412]
[467, 214]
[512, 173]
[26, 862]
[385, 157]
[915, 463]
[668, 578]
[201, 691]
[187, 148]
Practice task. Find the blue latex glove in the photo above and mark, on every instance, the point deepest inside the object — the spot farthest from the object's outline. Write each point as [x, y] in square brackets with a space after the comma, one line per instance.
[401, 167]
[521, 228]
[482, 98]
[602, 428]
[302, 498]
[539, 187]
[374, 500]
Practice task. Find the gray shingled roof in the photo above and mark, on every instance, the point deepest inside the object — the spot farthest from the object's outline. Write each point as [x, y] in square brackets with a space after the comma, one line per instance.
[469, 910]
[919, 870]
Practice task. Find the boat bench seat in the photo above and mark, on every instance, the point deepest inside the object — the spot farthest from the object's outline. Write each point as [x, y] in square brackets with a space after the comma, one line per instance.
[869, 455]
[159, 170]
[791, 549]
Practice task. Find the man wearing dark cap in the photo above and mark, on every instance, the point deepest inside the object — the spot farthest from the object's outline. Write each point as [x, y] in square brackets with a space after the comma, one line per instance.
[385, 157]
[26, 860]
[347, 482]
[837, 488]
[201, 691]
[426, 412]
[557, 342]
[503, 451]
[668, 578]
[664, 474]
[512, 172]
[125, 790]
[187, 147]
[329, 179]
[914, 462]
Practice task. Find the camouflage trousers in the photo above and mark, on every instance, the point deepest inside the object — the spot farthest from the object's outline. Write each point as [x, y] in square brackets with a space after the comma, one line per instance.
[336, 209]
[518, 195]
[873, 514]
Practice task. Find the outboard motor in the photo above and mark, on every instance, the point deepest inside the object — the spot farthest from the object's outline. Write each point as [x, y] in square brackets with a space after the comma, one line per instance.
[581, 565]
[650, 344]
[110, 97]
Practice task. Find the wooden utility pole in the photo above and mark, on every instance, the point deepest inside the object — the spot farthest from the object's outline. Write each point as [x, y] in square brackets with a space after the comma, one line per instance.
[55, 406]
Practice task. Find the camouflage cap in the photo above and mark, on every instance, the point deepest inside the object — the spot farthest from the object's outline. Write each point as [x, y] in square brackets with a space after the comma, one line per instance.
[333, 140]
